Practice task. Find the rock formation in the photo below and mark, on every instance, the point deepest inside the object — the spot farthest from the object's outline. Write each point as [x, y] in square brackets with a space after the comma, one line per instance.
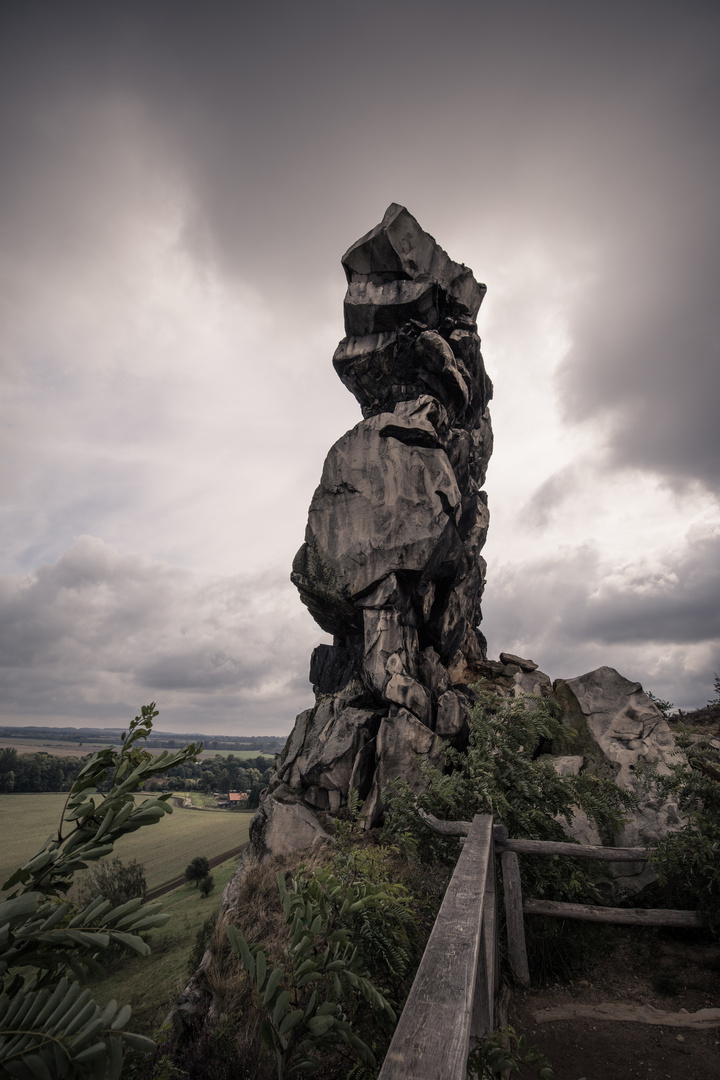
[391, 563]
[620, 733]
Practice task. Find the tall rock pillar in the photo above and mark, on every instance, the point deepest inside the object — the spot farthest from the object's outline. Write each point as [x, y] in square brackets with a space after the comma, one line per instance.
[391, 563]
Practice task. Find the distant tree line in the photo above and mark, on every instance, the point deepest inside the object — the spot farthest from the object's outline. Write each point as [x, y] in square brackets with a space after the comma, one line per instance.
[37, 772]
[224, 774]
[48, 772]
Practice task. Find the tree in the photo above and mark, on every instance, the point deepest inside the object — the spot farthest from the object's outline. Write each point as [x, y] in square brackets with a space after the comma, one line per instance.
[207, 885]
[49, 1026]
[197, 869]
[115, 880]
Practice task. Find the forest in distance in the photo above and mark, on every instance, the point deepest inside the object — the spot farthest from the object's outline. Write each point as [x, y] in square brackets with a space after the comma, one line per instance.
[44, 772]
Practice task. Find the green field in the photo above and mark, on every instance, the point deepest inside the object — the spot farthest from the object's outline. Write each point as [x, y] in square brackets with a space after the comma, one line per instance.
[60, 748]
[240, 754]
[152, 984]
[165, 849]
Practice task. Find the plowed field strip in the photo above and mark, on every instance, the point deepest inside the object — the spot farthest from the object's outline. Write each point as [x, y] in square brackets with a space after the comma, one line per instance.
[178, 881]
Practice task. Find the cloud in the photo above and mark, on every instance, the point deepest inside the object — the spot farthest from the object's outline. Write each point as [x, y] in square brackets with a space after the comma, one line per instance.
[97, 633]
[654, 620]
[177, 184]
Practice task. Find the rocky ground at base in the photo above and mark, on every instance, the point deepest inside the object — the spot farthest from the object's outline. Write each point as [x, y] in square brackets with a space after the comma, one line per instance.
[669, 971]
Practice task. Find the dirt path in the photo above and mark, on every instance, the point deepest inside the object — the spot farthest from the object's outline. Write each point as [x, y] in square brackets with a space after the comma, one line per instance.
[648, 969]
[176, 882]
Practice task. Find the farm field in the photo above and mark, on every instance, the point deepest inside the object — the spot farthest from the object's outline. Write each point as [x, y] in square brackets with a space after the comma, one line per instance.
[57, 747]
[165, 849]
[151, 984]
[60, 748]
[240, 754]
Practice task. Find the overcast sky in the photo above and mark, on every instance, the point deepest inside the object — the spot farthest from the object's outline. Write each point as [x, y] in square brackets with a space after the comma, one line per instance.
[178, 182]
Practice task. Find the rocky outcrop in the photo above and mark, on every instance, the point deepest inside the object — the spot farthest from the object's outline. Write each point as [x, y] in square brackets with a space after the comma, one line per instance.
[620, 734]
[391, 562]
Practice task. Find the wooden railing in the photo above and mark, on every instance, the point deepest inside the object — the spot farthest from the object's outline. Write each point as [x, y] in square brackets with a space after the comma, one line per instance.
[452, 999]
[453, 994]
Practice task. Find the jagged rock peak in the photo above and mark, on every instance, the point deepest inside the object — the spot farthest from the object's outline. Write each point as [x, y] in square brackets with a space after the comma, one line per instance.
[391, 562]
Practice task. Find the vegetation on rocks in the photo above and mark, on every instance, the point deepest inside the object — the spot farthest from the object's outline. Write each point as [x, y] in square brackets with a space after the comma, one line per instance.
[49, 1025]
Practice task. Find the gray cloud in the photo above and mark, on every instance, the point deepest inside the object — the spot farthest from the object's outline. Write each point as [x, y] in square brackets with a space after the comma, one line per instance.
[658, 623]
[177, 183]
[97, 633]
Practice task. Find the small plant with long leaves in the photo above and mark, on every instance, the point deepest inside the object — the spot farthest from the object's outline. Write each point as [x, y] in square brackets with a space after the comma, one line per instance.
[49, 1026]
[504, 1052]
[304, 999]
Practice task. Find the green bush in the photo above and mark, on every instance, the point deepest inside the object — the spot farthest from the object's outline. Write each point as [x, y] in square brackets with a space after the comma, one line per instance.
[688, 861]
[500, 774]
[503, 1052]
[114, 880]
[49, 1026]
[198, 869]
[304, 999]
[207, 884]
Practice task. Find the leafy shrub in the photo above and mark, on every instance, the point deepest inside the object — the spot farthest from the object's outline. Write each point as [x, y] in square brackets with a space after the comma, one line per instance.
[49, 1026]
[500, 774]
[207, 885]
[198, 869]
[503, 1052]
[115, 880]
[304, 999]
[688, 861]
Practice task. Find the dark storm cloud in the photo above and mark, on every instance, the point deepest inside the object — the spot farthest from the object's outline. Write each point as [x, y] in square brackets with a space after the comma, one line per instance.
[283, 131]
[573, 612]
[96, 632]
[294, 125]
[678, 601]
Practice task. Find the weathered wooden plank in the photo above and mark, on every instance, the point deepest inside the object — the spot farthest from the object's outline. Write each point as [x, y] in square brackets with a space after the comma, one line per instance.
[446, 828]
[623, 916]
[512, 892]
[578, 851]
[432, 1038]
[484, 1004]
[541, 847]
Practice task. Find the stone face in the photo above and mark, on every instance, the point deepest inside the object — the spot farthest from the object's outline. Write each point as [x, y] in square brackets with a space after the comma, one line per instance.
[391, 562]
[620, 730]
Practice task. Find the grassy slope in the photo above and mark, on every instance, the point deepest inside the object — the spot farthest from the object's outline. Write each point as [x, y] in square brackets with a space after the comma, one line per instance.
[26, 820]
[151, 984]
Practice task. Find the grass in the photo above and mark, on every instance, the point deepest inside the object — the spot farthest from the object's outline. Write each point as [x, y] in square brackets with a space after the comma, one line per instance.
[152, 984]
[240, 754]
[165, 849]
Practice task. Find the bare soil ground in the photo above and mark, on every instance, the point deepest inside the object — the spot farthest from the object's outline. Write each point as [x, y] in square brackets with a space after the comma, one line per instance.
[671, 971]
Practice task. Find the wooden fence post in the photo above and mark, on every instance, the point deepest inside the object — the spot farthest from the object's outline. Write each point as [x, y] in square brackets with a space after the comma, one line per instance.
[512, 891]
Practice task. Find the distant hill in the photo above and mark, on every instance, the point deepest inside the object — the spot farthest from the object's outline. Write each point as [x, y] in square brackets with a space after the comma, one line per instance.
[262, 744]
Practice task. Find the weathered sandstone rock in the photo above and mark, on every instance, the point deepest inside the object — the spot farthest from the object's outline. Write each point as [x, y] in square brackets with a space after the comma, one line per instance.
[620, 733]
[391, 562]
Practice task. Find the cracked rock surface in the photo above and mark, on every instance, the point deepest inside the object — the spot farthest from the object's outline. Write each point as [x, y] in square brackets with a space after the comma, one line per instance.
[391, 562]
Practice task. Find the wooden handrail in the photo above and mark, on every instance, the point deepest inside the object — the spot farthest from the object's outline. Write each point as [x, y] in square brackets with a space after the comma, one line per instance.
[452, 996]
[516, 907]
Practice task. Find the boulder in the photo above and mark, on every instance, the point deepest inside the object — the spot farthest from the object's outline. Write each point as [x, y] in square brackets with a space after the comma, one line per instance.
[403, 742]
[620, 733]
